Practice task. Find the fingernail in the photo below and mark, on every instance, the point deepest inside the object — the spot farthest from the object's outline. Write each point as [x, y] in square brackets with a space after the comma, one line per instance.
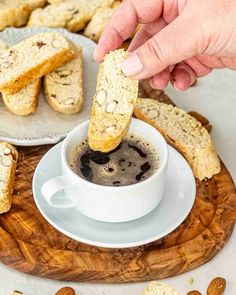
[132, 66]
[176, 87]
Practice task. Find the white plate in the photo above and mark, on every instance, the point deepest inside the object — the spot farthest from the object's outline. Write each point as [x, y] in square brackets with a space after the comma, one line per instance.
[47, 126]
[174, 208]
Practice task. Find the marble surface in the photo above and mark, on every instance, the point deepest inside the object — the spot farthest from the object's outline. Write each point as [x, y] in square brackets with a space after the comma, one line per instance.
[214, 97]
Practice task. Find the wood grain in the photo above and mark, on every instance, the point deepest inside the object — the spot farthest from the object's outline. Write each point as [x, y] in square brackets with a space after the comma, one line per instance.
[29, 244]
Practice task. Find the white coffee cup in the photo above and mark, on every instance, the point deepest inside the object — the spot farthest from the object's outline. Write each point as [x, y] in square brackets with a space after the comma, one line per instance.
[106, 203]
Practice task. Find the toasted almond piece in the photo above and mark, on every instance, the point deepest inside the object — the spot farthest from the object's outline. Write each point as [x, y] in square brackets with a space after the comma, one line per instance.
[56, 43]
[65, 291]
[111, 107]
[101, 97]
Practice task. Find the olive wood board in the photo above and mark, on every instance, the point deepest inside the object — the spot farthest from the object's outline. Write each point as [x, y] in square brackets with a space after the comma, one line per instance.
[29, 244]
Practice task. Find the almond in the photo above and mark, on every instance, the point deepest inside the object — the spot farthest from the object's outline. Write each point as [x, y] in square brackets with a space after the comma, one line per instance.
[101, 97]
[64, 73]
[217, 286]
[56, 43]
[153, 114]
[111, 107]
[194, 292]
[69, 100]
[110, 129]
[66, 291]
[6, 161]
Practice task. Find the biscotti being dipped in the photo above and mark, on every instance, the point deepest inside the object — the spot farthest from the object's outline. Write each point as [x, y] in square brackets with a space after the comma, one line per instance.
[113, 104]
[63, 88]
[31, 59]
[23, 102]
[183, 132]
[8, 162]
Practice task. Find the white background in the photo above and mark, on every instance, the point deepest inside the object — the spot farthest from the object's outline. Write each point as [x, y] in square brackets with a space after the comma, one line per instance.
[214, 97]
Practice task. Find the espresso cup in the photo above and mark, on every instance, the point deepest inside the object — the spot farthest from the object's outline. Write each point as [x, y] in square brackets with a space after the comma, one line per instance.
[108, 203]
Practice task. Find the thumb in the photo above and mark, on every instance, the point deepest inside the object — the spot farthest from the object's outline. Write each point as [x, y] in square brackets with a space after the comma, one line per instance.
[178, 41]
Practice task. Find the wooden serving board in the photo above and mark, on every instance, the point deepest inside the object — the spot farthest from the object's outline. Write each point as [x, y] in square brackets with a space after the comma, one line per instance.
[29, 244]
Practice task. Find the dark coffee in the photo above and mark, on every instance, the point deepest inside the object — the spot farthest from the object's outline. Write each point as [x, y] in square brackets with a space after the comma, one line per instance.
[133, 161]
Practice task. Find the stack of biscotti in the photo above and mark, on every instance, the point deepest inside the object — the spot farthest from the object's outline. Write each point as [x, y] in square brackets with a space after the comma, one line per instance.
[16, 12]
[184, 132]
[70, 14]
[31, 59]
[113, 104]
[8, 162]
[97, 24]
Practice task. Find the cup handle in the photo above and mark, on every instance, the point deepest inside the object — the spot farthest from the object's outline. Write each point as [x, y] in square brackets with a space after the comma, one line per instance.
[55, 185]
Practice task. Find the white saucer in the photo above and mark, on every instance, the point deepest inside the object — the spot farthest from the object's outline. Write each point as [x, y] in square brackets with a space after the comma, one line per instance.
[174, 208]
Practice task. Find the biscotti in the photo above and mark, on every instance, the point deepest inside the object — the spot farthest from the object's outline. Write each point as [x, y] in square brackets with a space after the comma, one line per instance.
[183, 132]
[158, 288]
[113, 104]
[16, 12]
[63, 87]
[25, 101]
[8, 162]
[97, 24]
[31, 59]
[72, 15]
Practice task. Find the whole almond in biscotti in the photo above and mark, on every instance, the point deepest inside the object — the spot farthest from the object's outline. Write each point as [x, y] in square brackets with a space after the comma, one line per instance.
[183, 132]
[31, 59]
[8, 162]
[113, 104]
[217, 286]
[63, 87]
[65, 291]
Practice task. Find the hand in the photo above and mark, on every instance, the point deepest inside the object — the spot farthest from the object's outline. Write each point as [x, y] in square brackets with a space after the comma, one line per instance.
[178, 41]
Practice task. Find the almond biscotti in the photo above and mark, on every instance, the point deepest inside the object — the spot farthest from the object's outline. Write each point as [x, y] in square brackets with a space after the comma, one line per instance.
[159, 288]
[72, 15]
[63, 87]
[31, 59]
[113, 104]
[25, 101]
[183, 132]
[8, 162]
[97, 24]
[15, 13]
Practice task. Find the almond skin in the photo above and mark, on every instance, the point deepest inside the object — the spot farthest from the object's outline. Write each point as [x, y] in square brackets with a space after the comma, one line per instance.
[66, 291]
[194, 292]
[217, 286]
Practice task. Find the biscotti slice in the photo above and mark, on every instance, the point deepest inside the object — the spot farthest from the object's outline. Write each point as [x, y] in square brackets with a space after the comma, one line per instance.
[183, 132]
[158, 288]
[31, 59]
[97, 24]
[63, 87]
[25, 101]
[72, 15]
[15, 13]
[113, 104]
[8, 161]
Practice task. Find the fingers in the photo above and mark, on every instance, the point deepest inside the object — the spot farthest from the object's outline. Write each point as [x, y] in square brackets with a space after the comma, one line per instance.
[174, 43]
[182, 76]
[161, 80]
[146, 32]
[124, 22]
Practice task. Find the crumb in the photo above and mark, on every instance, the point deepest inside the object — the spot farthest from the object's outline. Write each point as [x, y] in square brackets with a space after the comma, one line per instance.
[190, 281]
